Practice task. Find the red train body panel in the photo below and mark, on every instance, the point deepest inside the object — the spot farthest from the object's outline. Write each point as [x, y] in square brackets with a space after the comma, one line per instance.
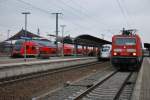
[126, 50]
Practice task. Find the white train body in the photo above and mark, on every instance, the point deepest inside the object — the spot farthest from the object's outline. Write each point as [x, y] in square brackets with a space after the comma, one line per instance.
[105, 51]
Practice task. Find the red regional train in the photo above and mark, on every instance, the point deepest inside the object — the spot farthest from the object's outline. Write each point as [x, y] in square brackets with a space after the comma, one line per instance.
[33, 48]
[38, 47]
[126, 50]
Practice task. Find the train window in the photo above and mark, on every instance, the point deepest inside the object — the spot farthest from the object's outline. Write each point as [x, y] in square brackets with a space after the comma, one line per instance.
[33, 48]
[19, 42]
[27, 47]
[105, 49]
[125, 41]
[17, 47]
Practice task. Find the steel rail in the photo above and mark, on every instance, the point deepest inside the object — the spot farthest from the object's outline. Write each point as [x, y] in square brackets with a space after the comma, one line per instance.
[89, 90]
[122, 87]
[95, 85]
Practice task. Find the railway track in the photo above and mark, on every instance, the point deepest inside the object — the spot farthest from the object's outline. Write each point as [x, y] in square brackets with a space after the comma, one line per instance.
[42, 83]
[74, 88]
[112, 87]
[43, 73]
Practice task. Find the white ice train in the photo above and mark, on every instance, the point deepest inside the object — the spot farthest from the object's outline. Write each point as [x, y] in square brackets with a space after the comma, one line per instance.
[105, 52]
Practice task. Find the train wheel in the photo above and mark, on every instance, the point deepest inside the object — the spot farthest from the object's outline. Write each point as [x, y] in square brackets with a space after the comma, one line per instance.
[99, 59]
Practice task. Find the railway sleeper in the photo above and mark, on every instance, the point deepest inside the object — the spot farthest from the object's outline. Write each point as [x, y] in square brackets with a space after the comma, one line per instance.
[87, 86]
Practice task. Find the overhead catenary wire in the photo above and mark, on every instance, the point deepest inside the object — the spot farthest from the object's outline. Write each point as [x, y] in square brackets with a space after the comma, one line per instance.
[49, 12]
[132, 23]
[75, 12]
[123, 13]
[35, 7]
[83, 12]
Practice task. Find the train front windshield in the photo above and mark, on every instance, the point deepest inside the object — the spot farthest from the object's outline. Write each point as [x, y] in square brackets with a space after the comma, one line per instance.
[125, 41]
[105, 49]
[17, 47]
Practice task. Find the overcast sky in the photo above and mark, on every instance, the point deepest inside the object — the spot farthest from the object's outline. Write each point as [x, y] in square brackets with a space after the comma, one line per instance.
[93, 17]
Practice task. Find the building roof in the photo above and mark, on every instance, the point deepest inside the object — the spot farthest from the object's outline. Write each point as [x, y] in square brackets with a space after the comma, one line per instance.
[90, 40]
[5, 44]
[147, 45]
[21, 34]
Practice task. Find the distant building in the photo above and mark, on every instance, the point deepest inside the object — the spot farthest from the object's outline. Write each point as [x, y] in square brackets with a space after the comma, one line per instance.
[7, 45]
[5, 48]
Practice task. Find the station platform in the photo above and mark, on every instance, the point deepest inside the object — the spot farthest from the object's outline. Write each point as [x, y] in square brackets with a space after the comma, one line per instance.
[142, 87]
[7, 60]
[24, 68]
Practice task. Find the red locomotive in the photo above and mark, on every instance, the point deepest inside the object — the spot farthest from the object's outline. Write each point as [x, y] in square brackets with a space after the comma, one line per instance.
[126, 49]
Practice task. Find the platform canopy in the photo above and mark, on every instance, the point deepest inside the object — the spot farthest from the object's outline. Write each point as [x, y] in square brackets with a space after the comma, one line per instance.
[89, 40]
[21, 34]
[147, 45]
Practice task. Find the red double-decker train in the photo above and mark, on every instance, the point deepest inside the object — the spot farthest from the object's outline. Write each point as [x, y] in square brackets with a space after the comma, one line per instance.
[38, 47]
[33, 48]
[126, 50]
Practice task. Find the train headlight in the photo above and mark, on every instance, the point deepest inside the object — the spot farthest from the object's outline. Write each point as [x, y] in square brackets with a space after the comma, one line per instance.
[134, 54]
[115, 54]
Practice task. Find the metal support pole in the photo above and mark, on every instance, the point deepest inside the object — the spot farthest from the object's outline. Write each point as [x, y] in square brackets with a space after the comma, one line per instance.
[10, 48]
[57, 31]
[75, 49]
[86, 50]
[63, 26]
[25, 34]
[8, 34]
[82, 50]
